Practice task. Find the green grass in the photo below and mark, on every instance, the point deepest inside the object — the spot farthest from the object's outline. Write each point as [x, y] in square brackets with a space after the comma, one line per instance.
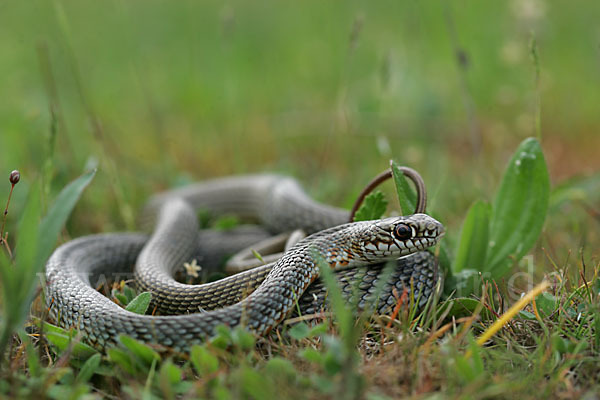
[157, 94]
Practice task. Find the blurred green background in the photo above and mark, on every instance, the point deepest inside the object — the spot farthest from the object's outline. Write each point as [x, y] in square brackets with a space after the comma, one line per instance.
[160, 93]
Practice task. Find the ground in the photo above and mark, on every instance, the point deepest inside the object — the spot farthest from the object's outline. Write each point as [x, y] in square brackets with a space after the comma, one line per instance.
[158, 94]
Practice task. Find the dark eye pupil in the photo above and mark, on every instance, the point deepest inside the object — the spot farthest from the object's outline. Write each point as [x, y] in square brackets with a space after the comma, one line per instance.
[403, 231]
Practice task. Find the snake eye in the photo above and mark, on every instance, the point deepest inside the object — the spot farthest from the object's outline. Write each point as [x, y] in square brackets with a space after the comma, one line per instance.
[402, 232]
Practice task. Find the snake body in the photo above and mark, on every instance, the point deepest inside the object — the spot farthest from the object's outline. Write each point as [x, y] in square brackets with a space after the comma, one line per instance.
[275, 288]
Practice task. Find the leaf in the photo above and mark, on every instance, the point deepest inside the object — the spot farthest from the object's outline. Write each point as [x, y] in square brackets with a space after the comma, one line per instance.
[255, 384]
[59, 212]
[18, 279]
[332, 362]
[89, 368]
[546, 304]
[319, 329]
[242, 338]
[48, 327]
[170, 373]
[226, 223]
[257, 255]
[34, 244]
[281, 367]
[463, 283]
[311, 355]
[143, 352]
[527, 315]
[406, 195]
[473, 243]
[372, 207]
[33, 361]
[120, 296]
[78, 350]
[122, 359]
[462, 307]
[520, 208]
[129, 293]
[222, 338]
[470, 368]
[204, 361]
[140, 303]
[299, 331]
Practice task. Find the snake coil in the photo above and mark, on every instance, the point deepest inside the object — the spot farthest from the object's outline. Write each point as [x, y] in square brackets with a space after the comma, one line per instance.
[279, 204]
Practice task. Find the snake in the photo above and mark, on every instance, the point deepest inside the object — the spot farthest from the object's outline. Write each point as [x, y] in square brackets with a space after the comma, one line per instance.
[258, 299]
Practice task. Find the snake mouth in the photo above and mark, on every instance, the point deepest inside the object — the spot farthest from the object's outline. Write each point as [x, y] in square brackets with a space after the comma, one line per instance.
[417, 244]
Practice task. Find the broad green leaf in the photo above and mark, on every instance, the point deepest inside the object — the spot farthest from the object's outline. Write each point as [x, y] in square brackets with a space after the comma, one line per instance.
[226, 223]
[242, 338]
[140, 303]
[140, 350]
[59, 212]
[170, 373]
[280, 367]
[473, 239]
[406, 195]
[89, 368]
[122, 359]
[48, 327]
[255, 384]
[520, 208]
[66, 390]
[527, 315]
[373, 207]
[462, 307]
[332, 362]
[463, 283]
[62, 342]
[120, 296]
[324, 383]
[567, 345]
[299, 331]
[203, 360]
[311, 355]
[222, 338]
[321, 328]
[546, 304]
[129, 293]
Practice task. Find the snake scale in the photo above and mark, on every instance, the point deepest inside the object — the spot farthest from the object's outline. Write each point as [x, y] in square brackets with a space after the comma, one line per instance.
[257, 299]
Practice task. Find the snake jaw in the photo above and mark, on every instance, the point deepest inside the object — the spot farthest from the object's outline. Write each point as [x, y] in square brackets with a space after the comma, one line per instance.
[425, 232]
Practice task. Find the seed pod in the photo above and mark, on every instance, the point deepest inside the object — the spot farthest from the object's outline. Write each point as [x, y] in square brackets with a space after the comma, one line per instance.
[15, 177]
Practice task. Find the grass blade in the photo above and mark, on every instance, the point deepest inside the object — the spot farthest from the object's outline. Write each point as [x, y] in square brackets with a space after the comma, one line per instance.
[59, 212]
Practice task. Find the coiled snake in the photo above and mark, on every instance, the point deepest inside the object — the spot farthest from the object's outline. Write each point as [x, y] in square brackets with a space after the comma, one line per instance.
[276, 202]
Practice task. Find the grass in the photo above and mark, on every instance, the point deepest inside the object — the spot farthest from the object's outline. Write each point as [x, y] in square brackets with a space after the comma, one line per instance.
[159, 94]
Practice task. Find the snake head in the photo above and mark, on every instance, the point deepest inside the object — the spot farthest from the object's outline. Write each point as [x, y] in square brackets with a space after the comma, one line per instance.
[400, 236]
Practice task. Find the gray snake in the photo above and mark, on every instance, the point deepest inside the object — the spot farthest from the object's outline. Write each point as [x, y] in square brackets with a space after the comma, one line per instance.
[277, 203]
